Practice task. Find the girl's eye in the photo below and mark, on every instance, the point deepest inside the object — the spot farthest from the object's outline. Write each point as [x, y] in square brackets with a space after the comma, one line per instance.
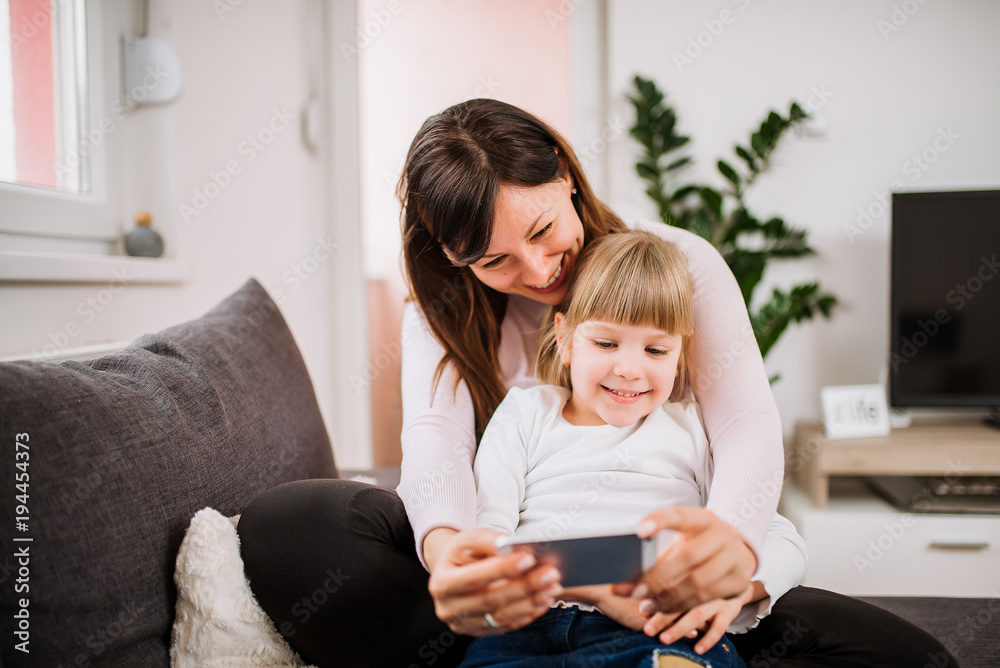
[657, 351]
[604, 344]
[492, 263]
[542, 231]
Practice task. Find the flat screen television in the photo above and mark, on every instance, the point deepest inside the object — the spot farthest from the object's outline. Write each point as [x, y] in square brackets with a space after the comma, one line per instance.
[945, 300]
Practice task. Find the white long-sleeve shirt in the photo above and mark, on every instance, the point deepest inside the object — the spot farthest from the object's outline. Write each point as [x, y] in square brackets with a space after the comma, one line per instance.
[740, 416]
[541, 478]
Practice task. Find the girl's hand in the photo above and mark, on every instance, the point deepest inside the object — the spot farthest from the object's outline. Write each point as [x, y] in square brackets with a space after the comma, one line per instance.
[469, 579]
[706, 560]
[713, 618]
[622, 609]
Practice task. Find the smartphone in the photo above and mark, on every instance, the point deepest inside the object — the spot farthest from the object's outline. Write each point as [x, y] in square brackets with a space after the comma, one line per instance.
[589, 560]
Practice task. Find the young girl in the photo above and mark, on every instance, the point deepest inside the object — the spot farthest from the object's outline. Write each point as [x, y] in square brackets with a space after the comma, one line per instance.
[613, 436]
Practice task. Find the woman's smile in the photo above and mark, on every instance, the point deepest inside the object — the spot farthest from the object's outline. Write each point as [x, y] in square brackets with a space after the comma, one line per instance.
[554, 281]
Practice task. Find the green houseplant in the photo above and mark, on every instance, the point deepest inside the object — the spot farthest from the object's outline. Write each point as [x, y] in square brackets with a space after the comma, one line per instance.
[721, 216]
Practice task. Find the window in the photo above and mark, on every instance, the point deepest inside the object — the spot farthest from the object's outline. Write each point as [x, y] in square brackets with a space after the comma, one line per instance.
[43, 91]
[69, 181]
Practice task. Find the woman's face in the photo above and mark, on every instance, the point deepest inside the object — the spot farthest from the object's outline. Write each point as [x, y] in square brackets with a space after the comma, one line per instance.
[537, 239]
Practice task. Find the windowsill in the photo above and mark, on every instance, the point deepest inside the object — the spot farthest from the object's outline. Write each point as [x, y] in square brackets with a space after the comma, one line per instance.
[36, 267]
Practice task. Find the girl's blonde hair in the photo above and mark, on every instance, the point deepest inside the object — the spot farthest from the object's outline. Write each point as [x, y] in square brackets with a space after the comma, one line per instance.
[629, 278]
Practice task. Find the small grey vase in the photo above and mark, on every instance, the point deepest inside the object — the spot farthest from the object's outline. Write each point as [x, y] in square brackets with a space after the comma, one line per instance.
[143, 240]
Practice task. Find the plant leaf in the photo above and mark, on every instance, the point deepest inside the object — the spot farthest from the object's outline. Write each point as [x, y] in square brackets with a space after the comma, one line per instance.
[677, 164]
[798, 305]
[729, 173]
[646, 172]
[749, 159]
[684, 191]
[713, 201]
[775, 123]
[675, 143]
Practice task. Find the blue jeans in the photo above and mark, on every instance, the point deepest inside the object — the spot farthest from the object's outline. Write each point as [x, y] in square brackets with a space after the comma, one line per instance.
[572, 638]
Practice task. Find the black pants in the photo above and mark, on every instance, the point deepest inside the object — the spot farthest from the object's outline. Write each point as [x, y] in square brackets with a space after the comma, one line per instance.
[334, 565]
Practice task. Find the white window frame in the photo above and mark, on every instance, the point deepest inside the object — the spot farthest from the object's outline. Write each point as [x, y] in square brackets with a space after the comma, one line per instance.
[47, 235]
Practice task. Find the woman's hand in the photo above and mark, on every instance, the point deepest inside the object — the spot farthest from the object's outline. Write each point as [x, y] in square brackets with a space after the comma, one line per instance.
[706, 560]
[713, 618]
[470, 580]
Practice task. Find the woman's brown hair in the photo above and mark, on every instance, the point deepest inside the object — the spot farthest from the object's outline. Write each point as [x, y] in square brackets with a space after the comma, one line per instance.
[455, 168]
[633, 278]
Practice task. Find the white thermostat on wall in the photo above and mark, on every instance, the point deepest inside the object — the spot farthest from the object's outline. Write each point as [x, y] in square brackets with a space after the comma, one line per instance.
[151, 71]
[853, 411]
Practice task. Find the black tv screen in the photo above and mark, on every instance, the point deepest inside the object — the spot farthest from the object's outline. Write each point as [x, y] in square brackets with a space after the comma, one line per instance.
[945, 300]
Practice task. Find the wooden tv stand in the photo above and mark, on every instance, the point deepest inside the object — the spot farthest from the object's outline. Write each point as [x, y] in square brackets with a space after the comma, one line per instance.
[918, 450]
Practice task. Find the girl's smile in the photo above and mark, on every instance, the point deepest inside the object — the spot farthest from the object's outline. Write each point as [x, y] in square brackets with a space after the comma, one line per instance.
[624, 397]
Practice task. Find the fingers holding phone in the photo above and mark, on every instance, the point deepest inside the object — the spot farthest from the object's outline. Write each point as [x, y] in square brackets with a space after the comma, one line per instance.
[708, 559]
[477, 591]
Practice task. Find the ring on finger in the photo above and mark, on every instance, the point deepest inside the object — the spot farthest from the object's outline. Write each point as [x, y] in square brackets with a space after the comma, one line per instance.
[491, 623]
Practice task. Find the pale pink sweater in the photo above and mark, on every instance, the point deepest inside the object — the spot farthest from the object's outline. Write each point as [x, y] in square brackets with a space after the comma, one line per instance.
[741, 419]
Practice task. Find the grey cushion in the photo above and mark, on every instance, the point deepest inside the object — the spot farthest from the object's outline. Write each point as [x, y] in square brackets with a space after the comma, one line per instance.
[124, 449]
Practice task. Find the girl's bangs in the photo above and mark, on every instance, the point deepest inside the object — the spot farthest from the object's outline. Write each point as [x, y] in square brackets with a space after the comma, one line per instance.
[639, 287]
[654, 303]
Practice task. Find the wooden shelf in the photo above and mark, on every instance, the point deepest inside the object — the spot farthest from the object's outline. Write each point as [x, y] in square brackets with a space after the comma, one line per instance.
[919, 450]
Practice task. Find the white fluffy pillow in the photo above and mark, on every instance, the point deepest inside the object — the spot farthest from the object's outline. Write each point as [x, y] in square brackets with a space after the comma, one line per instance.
[219, 623]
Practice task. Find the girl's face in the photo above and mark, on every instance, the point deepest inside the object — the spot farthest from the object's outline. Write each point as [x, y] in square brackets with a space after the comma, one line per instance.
[537, 238]
[620, 373]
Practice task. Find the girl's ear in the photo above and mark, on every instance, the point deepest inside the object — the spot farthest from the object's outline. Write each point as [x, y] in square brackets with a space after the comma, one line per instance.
[562, 340]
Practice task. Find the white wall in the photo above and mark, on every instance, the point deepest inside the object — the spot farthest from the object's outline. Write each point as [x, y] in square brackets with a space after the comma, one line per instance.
[416, 59]
[270, 221]
[887, 96]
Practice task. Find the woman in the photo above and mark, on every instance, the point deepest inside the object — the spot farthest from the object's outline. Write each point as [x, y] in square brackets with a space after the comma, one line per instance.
[496, 212]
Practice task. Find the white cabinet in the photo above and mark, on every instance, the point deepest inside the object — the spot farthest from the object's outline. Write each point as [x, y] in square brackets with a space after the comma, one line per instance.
[860, 545]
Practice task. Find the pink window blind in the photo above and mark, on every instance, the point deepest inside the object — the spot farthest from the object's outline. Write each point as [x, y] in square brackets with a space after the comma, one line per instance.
[34, 92]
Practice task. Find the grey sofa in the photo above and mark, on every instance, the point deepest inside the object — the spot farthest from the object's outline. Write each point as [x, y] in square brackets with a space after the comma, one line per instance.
[123, 449]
